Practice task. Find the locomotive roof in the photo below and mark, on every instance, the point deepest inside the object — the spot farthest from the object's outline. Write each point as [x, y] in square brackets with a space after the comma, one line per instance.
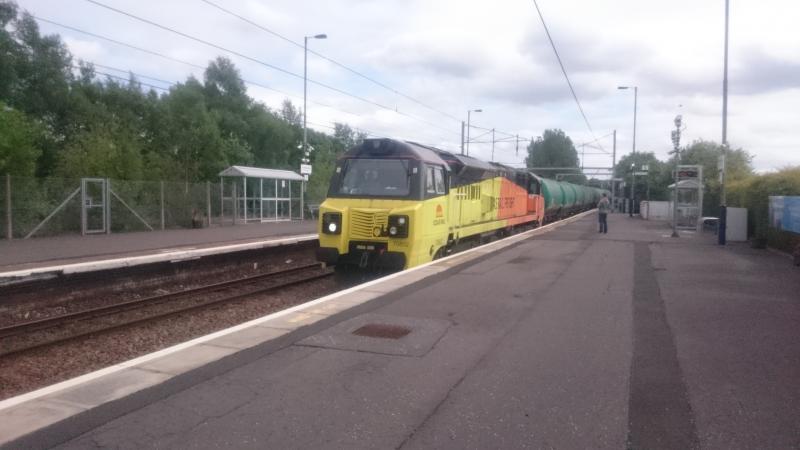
[391, 149]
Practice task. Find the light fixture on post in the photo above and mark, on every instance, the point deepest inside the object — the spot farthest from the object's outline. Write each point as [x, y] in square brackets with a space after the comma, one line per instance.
[635, 101]
[723, 202]
[305, 109]
[305, 85]
[469, 112]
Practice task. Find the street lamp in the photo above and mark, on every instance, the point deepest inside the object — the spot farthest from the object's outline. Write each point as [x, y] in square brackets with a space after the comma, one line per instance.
[469, 112]
[723, 207]
[635, 101]
[305, 111]
[305, 86]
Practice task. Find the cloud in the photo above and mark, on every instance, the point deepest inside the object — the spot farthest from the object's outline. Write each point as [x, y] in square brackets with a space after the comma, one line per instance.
[759, 72]
[431, 54]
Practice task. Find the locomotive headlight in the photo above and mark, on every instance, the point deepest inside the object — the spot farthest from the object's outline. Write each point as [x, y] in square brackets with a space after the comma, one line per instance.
[398, 226]
[332, 223]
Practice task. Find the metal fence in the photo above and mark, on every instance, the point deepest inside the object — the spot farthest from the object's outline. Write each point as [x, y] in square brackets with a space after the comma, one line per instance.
[32, 207]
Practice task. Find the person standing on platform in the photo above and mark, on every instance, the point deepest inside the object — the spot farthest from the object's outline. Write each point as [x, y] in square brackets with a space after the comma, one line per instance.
[603, 206]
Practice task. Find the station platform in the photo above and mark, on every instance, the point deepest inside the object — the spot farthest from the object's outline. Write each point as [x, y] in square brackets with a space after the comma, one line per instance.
[20, 256]
[556, 338]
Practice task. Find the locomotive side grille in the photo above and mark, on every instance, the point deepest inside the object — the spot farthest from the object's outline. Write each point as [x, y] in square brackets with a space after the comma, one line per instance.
[363, 223]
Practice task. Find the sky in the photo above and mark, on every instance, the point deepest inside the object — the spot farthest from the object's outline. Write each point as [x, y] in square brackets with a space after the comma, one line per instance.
[435, 60]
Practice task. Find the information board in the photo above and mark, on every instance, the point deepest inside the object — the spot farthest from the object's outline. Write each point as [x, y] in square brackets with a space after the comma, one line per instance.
[784, 213]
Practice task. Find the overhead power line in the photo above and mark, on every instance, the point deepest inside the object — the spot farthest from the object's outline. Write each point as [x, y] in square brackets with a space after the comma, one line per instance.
[127, 80]
[265, 64]
[171, 83]
[563, 70]
[513, 135]
[331, 60]
[187, 63]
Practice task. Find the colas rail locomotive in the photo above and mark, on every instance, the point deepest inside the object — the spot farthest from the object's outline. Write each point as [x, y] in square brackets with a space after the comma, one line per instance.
[394, 204]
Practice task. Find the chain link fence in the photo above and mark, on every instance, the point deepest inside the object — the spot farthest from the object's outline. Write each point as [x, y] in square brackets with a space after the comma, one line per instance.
[53, 206]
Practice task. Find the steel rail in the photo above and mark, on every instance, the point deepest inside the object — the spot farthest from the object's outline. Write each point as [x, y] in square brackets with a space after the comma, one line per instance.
[52, 322]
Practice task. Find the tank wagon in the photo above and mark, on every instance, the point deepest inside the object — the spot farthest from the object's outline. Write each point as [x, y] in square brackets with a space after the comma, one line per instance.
[395, 204]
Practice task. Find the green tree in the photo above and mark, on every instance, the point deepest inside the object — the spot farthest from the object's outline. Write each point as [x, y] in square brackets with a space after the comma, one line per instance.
[194, 141]
[274, 142]
[9, 50]
[346, 137]
[35, 72]
[18, 142]
[77, 124]
[656, 181]
[553, 149]
[291, 114]
[706, 153]
[108, 151]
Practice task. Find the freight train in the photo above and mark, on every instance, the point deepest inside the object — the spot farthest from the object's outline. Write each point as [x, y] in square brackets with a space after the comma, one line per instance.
[394, 204]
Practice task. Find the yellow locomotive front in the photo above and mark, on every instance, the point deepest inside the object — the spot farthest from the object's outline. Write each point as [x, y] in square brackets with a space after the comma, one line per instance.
[385, 207]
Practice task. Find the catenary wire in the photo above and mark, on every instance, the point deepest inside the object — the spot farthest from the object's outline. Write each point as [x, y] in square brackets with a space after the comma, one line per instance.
[265, 64]
[190, 64]
[331, 60]
[564, 70]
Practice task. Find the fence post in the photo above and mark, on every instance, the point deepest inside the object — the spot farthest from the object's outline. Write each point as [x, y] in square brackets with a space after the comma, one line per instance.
[9, 223]
[162, 205]
[108, 206]
[235, 205]
[208, 203]
[221, 203]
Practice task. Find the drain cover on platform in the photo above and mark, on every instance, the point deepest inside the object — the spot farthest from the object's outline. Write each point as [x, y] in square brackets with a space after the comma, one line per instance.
[384, 334]
[380, 330]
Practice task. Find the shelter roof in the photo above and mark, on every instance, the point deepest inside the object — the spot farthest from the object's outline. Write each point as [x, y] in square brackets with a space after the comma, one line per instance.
[258, 172]
[686, 184]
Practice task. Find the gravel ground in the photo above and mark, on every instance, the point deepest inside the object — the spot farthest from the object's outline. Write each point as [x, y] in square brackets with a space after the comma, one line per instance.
[27, 371]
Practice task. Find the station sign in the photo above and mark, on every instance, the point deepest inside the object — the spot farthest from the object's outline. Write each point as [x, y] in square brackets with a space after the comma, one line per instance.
[688, 172]
[305, 169]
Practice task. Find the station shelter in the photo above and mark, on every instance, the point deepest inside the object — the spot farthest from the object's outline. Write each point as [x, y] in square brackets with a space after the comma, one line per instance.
[254, 194]
[688, 191]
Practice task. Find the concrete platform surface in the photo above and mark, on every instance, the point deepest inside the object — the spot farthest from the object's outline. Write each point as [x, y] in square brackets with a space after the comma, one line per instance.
[567, 339]
[26, 254]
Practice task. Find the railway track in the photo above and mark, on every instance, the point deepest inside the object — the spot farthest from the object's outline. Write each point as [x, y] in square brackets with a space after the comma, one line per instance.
[52, 330]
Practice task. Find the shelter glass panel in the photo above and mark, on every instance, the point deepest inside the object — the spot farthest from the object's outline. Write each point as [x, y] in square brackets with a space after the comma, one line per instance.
[253, 209]
[283, 188]
[271, 212]
[283, 210]
[269, 188]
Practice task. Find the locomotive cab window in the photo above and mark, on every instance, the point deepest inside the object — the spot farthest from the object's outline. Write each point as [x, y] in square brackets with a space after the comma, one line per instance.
[375, 177]
[434, 181]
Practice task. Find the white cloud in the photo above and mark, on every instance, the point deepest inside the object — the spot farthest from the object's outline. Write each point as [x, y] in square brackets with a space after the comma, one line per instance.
[454, 55]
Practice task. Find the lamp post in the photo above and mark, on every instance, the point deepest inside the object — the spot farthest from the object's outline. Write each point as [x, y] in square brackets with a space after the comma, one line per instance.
[723, 208]
[469, 112]
[305, 111]
[305, 85]
[635, 101]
